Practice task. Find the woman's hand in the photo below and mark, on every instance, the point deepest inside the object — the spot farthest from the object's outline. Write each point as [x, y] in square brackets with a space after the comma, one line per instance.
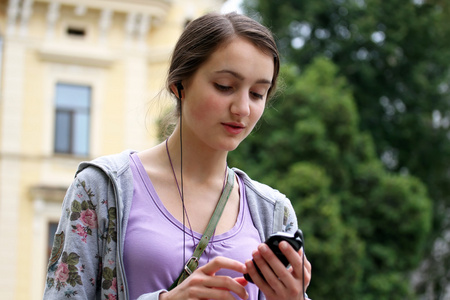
[203, 284]
[280, 283]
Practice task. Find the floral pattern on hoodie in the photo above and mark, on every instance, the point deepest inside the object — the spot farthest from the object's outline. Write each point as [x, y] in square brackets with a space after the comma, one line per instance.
[66, 267]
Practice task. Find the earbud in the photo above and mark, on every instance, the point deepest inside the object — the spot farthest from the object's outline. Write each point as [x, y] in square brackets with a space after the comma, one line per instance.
[179, 88]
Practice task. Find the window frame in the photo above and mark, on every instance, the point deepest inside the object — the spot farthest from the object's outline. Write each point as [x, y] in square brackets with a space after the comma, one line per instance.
[72, 112]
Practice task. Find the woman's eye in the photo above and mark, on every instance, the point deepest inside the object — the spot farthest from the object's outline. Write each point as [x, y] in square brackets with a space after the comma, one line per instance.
[222, 88]
[256, 95]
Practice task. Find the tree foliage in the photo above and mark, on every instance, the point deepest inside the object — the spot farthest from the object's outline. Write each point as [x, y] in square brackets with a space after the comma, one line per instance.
[309, 146]
[395, 56]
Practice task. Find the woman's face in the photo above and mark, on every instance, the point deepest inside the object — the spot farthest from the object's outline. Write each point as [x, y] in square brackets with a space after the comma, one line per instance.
[226, 96]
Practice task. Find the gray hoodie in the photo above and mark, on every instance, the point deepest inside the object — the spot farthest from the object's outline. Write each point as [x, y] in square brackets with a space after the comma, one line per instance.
[87, 255]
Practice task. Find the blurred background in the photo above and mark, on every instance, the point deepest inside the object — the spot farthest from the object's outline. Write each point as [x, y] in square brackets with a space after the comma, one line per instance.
[357, 137]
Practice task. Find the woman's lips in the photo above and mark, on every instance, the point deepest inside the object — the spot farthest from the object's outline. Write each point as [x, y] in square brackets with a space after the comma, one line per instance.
[233, 128]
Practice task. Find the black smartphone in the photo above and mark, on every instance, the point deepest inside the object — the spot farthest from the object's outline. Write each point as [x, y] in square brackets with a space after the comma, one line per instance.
[295, 240]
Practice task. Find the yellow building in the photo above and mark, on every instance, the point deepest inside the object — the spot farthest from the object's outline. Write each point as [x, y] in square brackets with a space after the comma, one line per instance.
[76, 81]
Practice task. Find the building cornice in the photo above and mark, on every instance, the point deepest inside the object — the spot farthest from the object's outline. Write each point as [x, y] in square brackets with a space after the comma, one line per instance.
[49, 193]
[85, 55]
[98, 56]
[155, 8]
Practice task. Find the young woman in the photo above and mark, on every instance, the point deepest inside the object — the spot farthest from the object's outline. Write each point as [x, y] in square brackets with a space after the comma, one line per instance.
[132, 220]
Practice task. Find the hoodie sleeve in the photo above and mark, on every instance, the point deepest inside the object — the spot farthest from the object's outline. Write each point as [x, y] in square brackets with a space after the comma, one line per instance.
[82, 263]
[290, 224]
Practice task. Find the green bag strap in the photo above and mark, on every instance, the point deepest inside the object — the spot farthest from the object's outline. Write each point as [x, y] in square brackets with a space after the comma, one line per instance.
[192, 263]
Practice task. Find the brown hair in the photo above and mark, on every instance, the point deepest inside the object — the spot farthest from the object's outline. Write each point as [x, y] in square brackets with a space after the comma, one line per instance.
[204, 35]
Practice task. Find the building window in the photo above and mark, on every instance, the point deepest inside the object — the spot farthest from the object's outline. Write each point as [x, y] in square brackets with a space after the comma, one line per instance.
[76, 32]
[52, 226]
[72, 119]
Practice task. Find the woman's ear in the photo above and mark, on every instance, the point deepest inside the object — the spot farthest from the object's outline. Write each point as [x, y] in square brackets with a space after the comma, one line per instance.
[176, 89]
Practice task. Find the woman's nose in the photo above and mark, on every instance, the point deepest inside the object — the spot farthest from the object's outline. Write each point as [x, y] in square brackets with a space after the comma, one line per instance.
[241, 105]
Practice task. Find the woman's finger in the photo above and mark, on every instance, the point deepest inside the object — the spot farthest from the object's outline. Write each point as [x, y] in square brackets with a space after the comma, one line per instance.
[300, 266]
[241, 280]
[270, 280]
[223, 263]
[273, 268]
[222, 283]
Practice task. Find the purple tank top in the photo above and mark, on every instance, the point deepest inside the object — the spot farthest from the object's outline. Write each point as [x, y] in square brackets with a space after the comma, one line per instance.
[153, 252]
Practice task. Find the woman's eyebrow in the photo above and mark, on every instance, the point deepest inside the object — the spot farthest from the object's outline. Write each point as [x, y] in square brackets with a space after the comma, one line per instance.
[240, 77]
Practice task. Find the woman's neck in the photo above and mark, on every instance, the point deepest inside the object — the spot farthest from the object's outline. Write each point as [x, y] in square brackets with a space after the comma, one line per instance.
[199, 162]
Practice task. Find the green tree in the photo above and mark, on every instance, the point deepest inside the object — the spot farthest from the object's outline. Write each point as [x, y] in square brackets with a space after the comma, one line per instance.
[310, 147]
[395, 55]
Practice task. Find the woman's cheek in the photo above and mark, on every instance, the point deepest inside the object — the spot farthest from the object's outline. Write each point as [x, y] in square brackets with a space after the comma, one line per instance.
[258, 110]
